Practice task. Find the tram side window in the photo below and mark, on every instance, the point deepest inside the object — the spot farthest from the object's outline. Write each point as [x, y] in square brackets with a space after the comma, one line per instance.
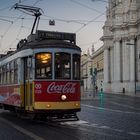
[62, 65]
[15, 71]
[4, 74]
[43, 65]
[7, 74]
[76, 66]
[0, 75]
[12, 72]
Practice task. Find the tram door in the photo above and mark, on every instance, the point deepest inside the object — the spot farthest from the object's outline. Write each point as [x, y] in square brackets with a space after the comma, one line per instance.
[28, 79]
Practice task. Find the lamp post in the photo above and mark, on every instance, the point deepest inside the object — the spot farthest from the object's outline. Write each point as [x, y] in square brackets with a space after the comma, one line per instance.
[134, 44]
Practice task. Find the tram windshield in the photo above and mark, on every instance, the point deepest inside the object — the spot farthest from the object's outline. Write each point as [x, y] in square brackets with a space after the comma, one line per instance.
[60, 66]
[44, 65]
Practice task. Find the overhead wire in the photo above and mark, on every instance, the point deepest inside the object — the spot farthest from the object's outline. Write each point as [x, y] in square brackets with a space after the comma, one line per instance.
[64, 20]
[89, 22]
[92, 20]
[5, 8]
[6, 20]
[79, 21]
[86, 6]
[100, 1]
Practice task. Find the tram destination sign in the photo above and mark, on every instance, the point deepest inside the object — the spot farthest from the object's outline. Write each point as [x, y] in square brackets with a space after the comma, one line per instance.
[56, 35]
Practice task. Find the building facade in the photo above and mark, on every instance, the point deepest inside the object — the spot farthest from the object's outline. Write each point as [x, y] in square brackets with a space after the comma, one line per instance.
[98, 66]
[86, 65]
[92, 72]
[122, 47]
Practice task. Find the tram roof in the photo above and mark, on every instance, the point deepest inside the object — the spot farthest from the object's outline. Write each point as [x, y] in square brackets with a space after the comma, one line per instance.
[49, 44]
[47, 39]
[36, 41]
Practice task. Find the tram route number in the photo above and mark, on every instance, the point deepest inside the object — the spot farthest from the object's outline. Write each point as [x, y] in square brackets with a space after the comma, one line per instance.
[38, 88]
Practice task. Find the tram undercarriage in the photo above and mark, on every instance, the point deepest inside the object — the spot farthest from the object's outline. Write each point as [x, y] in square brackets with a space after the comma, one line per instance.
[41, 115]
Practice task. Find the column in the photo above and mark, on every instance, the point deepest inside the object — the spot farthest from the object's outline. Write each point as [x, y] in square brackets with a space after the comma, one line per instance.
[112, 63]
[126, 61]
[106, 66]
[132, 60]
[117, 62]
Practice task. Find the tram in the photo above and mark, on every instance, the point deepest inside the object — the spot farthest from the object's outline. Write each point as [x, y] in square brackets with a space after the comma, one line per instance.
[42, 76]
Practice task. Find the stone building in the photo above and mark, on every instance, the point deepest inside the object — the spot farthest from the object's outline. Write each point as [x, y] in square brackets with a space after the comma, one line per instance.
[98, 66]
[122, 47]
[85, 71]
[90, 62]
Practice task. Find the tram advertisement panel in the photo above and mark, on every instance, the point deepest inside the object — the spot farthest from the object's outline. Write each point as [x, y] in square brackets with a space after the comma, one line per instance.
[10, 95]
[52, 90]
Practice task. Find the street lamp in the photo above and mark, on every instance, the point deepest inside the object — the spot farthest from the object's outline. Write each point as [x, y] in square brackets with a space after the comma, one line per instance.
[134, 44]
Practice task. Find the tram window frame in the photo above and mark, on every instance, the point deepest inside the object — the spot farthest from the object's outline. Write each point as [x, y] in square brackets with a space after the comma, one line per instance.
[43, 70]
[62, 66]
[76, 69]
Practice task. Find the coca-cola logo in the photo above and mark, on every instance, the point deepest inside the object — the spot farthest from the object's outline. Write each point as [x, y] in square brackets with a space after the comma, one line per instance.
[61, 88]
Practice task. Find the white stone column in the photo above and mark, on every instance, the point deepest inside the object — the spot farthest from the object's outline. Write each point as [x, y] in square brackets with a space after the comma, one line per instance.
[106, 66]
[117, 62]
[126, 61]
[132, 60]
[112, 63]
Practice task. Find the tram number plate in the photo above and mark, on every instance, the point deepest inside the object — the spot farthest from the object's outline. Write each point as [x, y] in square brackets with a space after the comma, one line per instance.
[38, 88]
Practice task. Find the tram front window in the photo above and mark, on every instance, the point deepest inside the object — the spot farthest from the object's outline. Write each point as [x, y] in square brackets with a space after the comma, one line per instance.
[62, 65]
[43, 66]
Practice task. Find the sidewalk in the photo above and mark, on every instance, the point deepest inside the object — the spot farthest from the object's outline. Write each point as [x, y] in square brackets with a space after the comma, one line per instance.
[89, 95]
[114, 102]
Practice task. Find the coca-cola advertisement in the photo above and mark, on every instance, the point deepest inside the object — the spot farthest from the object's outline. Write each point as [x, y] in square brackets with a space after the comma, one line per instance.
[52, 90]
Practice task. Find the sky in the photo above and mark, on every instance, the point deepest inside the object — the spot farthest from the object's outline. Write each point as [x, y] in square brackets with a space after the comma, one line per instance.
[83, 17]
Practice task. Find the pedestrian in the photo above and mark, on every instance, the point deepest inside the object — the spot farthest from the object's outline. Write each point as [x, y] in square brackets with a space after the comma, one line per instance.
[96, 88]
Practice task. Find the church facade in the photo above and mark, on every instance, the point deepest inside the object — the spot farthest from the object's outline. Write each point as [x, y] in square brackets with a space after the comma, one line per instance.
[122, 47]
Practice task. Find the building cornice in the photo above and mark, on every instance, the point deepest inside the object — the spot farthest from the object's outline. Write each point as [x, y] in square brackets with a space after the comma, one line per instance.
[98, 52]
[106, 37]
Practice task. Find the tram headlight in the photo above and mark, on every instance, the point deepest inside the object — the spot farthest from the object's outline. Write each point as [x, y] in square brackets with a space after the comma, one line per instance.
[63, 97]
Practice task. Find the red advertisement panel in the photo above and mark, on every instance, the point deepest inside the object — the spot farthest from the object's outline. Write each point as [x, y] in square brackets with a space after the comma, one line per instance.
[10, 95]
[53, 90]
